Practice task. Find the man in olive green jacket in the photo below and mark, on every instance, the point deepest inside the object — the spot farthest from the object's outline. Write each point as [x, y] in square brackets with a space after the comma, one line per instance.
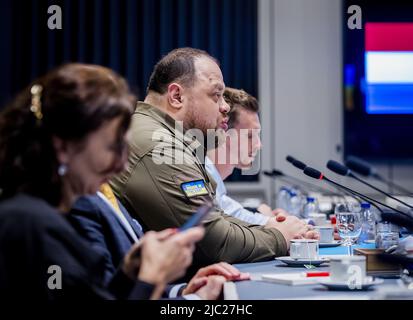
[165, 180]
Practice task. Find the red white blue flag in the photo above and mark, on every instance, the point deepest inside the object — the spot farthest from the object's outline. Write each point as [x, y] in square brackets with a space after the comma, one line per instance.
[389, 68]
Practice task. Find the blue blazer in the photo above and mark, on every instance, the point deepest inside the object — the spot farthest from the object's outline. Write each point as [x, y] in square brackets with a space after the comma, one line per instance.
[95, 220]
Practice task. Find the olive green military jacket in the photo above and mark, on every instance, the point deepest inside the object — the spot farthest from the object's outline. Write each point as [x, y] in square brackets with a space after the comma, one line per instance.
[165, 182]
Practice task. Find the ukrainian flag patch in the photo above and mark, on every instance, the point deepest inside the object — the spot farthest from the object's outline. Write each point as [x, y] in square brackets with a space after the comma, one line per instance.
[194, 188]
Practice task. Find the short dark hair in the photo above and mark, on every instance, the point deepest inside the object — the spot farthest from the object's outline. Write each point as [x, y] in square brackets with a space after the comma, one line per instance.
[177, 66]
[76, 100]
[239, 99]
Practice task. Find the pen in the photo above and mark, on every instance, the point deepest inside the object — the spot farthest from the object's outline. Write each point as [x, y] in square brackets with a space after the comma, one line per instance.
[317, 274]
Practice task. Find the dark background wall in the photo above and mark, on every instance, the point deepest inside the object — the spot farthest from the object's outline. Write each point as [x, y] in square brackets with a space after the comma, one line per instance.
[381, 138]
[129, 36]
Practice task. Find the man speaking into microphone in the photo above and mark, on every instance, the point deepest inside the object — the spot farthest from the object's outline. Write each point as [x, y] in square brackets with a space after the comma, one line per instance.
[243, 123]
[185, 92]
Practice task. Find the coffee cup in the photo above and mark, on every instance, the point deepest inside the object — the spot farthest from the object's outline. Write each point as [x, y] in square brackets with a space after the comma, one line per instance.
[304, 249]
[348, 269]
[326, 233]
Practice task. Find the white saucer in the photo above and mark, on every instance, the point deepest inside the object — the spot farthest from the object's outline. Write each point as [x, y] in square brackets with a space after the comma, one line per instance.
[370, 241]
[302, 262]
[344, 286]
[335, 243]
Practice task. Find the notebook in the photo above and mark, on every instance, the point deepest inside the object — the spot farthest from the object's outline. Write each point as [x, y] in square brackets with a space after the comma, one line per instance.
[292, 279]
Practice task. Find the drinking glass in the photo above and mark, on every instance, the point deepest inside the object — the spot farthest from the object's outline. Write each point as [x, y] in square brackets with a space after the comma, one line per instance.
[348, 224]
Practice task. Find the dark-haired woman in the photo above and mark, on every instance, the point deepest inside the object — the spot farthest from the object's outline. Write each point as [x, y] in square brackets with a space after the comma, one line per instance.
[63, 137]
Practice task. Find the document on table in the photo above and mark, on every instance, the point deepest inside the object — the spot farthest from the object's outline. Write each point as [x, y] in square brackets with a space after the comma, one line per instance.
[292, 279]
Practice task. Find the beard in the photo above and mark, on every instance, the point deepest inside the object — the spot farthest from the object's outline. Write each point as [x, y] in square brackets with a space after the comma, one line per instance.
[212, 136]
[193, 121]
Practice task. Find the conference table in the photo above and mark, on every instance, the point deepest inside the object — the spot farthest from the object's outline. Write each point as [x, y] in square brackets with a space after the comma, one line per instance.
[258, 289]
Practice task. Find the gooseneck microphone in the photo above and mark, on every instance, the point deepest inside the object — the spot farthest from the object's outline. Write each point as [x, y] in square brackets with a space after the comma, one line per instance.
[342, 170]
[296, 163]
[277, 174]
[394, 216]
[360, 166]
[301, 165]
[290, 159]
[314, 173]
[365, 169]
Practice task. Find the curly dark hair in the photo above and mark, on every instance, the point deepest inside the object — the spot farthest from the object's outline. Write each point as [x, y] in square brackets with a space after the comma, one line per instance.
[237, 100]
[76, 100]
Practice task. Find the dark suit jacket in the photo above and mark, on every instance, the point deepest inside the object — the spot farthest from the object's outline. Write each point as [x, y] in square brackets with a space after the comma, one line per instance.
[95, 220]
[35, 236]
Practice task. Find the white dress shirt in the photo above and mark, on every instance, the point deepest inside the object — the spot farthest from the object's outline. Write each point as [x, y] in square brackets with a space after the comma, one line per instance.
[229, 205]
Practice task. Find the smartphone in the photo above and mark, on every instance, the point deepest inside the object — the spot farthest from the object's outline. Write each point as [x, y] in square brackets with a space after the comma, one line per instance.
[197, 217]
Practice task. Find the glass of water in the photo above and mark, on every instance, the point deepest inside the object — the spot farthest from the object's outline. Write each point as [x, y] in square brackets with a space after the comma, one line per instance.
[387, 235]
[348, 224]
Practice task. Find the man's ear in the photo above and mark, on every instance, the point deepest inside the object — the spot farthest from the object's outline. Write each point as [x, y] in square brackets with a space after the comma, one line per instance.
[175, 98]
[62, 150]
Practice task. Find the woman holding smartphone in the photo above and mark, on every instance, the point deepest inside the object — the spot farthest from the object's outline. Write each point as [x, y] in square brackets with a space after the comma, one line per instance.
[61, 138]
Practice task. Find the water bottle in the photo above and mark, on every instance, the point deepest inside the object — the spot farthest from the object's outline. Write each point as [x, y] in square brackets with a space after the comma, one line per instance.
[310, 207]
[283, 197]
[295, 204]
[368, 227]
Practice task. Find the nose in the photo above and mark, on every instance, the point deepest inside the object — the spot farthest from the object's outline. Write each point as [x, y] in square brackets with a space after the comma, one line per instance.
[258, 144]
[224, 108]
[121, 161]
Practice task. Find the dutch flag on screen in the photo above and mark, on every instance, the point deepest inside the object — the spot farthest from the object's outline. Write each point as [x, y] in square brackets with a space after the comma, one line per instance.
[389, 68]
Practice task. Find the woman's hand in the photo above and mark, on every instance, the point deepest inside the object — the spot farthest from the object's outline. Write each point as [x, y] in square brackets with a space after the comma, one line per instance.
[166, 255]
[161, 257]
[132, 260]
[200, 279]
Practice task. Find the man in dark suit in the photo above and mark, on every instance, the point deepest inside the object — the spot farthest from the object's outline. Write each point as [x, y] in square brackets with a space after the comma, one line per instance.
[107, 225]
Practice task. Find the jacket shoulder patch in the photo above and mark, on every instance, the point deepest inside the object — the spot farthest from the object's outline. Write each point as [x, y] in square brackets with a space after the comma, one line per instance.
[194, 188]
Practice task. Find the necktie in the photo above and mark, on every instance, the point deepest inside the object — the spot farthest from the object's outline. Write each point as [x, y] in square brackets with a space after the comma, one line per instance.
[108, 193]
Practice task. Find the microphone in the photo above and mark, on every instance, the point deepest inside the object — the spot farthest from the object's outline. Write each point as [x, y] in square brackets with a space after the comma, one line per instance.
[396, 216]
[314, 173]
[296, 163]
[301, 165]
[365, 169]
[290, 159]
[277, 174]
[342, 170]
[360, 166]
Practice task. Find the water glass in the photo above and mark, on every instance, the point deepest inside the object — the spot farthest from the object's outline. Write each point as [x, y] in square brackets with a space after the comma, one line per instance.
[348, 224]
[387, 235]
